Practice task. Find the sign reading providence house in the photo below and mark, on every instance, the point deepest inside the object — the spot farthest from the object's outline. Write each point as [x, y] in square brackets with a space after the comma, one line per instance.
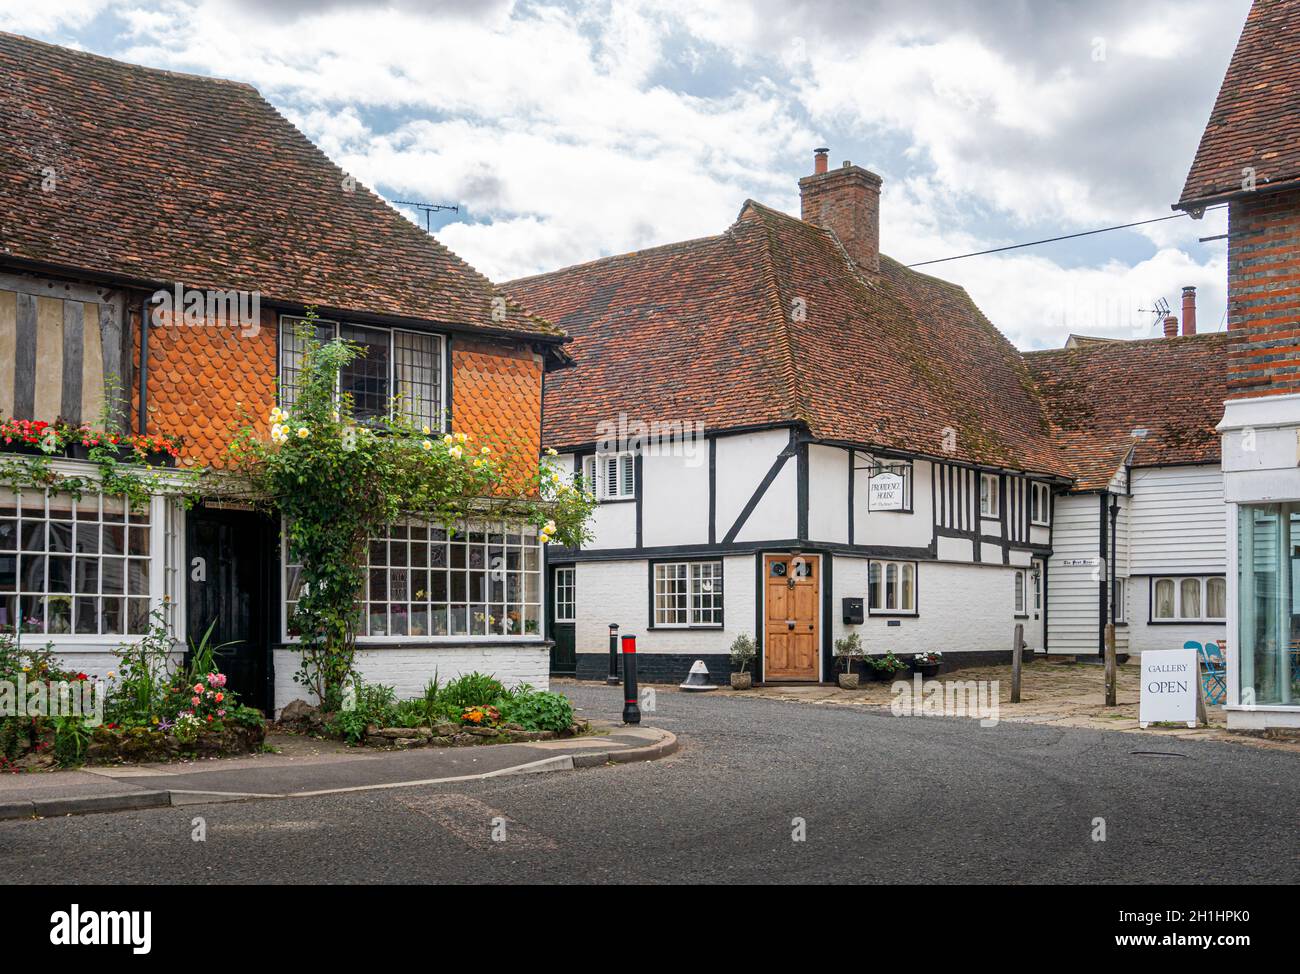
[885, 492]
[1169, 687]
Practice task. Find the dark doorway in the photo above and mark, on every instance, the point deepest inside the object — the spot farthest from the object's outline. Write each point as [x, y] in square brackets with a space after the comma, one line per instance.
[228, 564]
[563, 614]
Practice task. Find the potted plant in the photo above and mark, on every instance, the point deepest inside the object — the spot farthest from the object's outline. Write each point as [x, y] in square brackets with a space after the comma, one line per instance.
[927, 664]
[743, 652]
[885, 667]
[848, 649]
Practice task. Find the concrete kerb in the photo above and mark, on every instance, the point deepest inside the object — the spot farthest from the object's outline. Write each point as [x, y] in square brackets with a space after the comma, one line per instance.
[132, 801]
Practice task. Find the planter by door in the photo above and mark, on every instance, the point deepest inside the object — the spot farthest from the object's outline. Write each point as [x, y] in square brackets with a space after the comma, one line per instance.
[229, 576]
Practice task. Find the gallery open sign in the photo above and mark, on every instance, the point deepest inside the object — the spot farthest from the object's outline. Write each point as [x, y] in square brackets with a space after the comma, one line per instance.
[1169, 687]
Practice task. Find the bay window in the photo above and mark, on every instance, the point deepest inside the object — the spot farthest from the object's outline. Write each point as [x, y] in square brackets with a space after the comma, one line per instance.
[76, 566]
[1268, 632]
[423, 581]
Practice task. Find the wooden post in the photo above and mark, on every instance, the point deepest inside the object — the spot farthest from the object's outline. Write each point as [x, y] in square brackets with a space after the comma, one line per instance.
[1017, 651]
[1110, 664]
[1202, 718]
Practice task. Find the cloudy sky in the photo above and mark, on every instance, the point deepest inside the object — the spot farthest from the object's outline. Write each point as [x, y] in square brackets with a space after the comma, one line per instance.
[567, 131]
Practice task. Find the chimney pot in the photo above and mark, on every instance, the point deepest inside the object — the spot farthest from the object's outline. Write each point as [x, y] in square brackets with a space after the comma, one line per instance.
[1171, 326]
[1189, 310]
[819, 161]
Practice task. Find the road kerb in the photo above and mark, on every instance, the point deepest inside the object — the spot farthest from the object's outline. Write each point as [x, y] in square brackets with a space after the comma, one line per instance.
[93, 804]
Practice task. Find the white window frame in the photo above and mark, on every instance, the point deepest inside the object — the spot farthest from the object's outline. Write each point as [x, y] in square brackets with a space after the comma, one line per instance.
[1177, 582]
[566, 594]
[595, 473]
[1040, 504]
[439, 425]
[1020, 600]
[162, 574]
[462, 535]
[878, 587]
[695, 594]
[1119, 609]
[993, 508]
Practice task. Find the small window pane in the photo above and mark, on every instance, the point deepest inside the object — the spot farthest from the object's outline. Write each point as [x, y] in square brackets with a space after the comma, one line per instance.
[1190, 598]
[1164, 598]
[1216, 598]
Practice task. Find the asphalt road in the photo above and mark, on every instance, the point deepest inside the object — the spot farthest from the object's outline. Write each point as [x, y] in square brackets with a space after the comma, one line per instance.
[882, 799]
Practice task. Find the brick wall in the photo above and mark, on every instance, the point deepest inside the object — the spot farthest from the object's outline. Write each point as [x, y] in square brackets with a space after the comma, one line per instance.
[1264, 295]
[847, 201]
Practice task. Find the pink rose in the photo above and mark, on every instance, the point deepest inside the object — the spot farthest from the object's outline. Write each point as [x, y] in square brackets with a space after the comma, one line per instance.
[195, 701]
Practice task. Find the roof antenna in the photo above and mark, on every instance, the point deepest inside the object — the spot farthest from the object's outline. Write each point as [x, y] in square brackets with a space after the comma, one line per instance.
[428, 209]
[1161, 310]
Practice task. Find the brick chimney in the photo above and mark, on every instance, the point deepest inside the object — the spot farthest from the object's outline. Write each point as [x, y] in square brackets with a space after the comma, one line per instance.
[846, 201]
[1171, 326]
[1189, 310]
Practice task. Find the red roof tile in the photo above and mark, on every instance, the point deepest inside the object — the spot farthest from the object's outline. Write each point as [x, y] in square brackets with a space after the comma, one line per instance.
[711, 330]
[1256, 118]
[1099, 394]
[162, 177]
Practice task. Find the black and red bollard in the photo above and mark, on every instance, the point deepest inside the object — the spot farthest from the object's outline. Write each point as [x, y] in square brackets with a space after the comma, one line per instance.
[631, 709]
[612, 679]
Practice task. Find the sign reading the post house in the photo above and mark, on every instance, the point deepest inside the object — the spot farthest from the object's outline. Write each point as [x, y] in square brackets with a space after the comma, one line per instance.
[885, 492]
[1169, 687]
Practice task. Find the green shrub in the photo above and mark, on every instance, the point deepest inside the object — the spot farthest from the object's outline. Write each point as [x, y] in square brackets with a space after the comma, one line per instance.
[373, 704]
[471, 690]
[536, 710]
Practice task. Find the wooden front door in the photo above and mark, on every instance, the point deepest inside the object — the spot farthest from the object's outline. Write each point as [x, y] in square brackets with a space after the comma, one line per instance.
[791, 647]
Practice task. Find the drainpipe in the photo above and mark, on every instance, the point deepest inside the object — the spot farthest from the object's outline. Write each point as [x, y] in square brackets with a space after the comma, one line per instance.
[142, 419]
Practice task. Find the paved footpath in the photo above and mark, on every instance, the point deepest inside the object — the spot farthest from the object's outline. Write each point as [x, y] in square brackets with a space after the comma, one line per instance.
[305, 767]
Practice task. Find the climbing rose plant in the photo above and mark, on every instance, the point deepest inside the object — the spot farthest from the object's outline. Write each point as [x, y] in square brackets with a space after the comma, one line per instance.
[339, 481]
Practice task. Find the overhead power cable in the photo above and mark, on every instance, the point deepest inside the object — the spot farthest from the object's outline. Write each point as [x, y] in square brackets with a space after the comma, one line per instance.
[1067, 236]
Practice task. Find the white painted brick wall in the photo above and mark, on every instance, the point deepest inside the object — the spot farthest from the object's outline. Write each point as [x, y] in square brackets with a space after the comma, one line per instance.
[619, 592]
[408, 670]
[961, 608]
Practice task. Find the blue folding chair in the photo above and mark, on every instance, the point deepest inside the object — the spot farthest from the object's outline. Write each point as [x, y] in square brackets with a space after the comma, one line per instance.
[1214, 671]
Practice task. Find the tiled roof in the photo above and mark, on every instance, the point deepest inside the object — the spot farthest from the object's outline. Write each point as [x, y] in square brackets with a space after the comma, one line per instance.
[161, 177]
[1098, 395]
[770, 323]
[1256, 118]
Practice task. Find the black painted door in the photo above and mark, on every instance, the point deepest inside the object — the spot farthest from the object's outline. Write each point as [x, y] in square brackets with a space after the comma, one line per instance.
[228, 562]
[564, 655]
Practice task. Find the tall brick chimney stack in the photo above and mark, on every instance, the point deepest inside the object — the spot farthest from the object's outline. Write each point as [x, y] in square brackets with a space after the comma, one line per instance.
[847, 202]
[1189, 310]
[1171, 326]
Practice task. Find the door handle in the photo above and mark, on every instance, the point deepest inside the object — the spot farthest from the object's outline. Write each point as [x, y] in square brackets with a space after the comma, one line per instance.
[789, 624]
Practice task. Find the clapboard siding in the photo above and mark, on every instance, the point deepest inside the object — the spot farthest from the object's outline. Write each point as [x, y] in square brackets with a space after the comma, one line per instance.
[1178, 521]
[1072, 603]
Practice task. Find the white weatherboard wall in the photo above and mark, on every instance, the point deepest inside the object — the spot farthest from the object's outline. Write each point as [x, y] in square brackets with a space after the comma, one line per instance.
[1177, 521]
[407, 670]
[961, 608]
[1072, 590]
[619, 592]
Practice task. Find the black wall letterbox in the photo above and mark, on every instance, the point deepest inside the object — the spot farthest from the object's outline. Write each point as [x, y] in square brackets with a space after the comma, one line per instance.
[852, 612]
